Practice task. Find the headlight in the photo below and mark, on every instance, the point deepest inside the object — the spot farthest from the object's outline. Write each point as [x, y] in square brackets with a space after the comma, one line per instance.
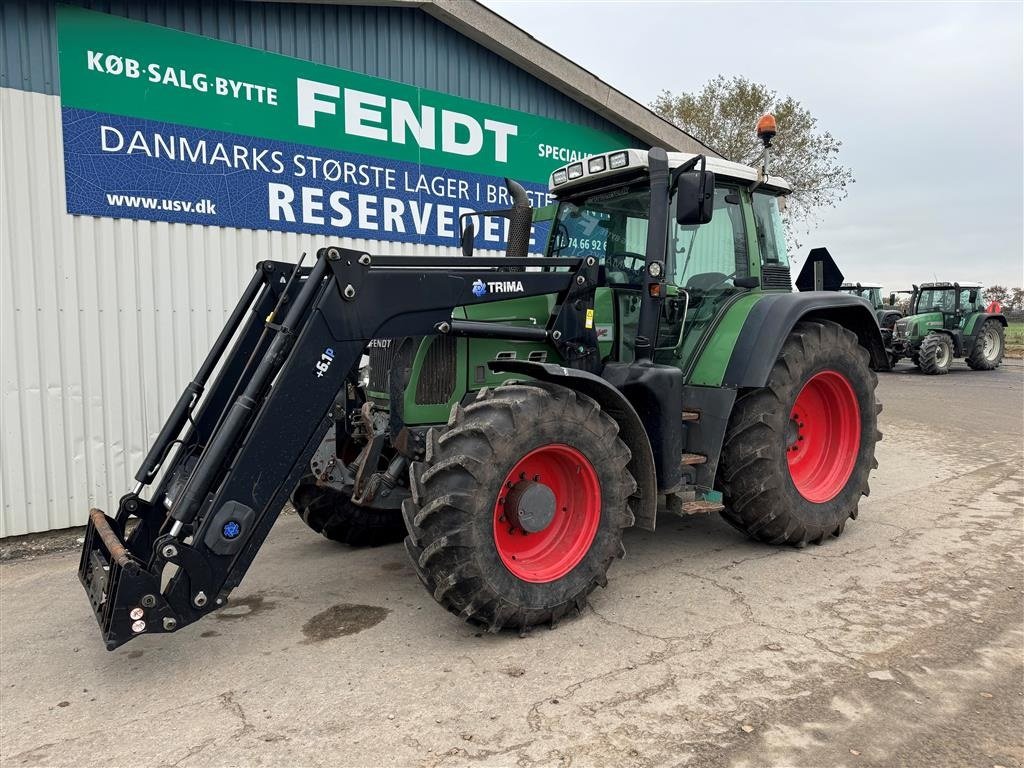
[559, 177]
[575, 170]
[618, 160]
[595, 164]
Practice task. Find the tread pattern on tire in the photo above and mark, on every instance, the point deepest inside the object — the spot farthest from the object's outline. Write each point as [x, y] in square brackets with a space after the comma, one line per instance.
[928, 354]
[445, 516]
[332, 514]
[976, 360]
[753, 474]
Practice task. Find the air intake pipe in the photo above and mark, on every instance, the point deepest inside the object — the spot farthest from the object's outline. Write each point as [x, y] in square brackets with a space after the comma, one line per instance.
[520, 223]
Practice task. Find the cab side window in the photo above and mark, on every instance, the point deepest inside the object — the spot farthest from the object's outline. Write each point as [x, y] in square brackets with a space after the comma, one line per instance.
[771, 234]
[707, 256]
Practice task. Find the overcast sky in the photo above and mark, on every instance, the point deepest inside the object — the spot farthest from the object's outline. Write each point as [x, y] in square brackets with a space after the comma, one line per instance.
[927, 99]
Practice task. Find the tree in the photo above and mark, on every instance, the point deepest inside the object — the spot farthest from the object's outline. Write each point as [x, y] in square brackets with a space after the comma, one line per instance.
[1017, 299]
[723, 115]
[996, 293]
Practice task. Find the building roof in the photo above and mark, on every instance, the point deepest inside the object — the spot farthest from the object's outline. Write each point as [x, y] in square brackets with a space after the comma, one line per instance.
[499, 35]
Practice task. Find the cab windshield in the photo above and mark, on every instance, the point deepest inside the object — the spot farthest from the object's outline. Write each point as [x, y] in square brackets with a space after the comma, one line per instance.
[873, 295]
[611, 226]
[943, 299]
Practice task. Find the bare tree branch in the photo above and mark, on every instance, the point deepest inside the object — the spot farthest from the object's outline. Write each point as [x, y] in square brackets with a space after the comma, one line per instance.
[723, 114]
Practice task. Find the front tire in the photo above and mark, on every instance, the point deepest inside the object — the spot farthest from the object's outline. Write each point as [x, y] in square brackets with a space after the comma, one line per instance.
[332, 514]
[987, 352]
[518, 509]
[936, 354]
[798, 451]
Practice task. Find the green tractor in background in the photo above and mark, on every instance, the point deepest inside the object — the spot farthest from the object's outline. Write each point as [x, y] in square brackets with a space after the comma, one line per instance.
[947, 321]
[886, 314]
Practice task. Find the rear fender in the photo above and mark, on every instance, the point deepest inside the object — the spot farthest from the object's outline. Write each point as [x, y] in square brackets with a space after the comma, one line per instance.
[631, 428]
[979, 320]
[774, 316]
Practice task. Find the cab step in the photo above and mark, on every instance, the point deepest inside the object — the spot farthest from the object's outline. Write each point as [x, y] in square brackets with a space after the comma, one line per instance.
[691, 415]
[689, 459]
[685, 504]
[700, 507]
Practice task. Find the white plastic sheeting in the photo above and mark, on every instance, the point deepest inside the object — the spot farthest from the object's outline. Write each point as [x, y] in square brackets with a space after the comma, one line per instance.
[102, 323]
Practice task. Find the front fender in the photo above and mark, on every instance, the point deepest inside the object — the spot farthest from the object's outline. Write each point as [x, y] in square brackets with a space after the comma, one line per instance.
[773, 317]
[614, 403]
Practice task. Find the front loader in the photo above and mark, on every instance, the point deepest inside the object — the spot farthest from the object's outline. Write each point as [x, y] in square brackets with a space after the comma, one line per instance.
[518, 413]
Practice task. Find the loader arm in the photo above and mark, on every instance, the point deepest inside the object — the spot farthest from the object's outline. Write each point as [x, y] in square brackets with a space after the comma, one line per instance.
[230, 454]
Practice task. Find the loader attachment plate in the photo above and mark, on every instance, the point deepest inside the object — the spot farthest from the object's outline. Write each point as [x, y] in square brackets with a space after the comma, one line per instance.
[124, 596]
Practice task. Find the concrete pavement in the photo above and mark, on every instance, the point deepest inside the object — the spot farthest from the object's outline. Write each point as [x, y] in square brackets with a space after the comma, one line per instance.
[898, 644]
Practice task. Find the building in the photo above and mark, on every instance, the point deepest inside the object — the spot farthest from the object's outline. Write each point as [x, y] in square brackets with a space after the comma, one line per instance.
[152, 152]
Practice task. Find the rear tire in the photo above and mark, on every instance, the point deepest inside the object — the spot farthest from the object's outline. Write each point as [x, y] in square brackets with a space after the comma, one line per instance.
[332, 513]
[987, 352]
[936, 354]
[469, 555]
[798, 451]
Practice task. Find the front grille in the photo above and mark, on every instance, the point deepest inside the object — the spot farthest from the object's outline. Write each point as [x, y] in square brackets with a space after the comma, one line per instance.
[776, 276]
[382, 354]
[437, 375]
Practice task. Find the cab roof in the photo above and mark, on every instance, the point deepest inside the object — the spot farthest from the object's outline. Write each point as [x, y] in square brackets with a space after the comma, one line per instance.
[859, 285]
[636, 159]
[950, 285]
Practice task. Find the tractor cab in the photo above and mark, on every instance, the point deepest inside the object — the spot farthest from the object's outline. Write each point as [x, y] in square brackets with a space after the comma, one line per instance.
[872, 292]
[954, 301]
[604, 212]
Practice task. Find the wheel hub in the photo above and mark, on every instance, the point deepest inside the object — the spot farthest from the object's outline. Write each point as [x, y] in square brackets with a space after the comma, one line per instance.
[823, 436]
[530, 505]
[547, 513]
[793, 436]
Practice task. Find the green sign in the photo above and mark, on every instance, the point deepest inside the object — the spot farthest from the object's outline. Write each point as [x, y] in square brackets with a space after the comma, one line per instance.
[113, 65]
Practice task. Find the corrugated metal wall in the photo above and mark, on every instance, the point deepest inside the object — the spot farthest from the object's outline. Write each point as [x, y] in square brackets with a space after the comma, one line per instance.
[104, 320]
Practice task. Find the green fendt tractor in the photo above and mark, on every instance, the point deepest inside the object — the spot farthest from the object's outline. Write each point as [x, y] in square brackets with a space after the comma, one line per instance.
[947, 321]
[756, 403]
[516, 414]
[885, 314]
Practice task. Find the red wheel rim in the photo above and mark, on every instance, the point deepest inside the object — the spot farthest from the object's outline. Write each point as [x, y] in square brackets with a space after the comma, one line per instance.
[823, 436]
[549, 554]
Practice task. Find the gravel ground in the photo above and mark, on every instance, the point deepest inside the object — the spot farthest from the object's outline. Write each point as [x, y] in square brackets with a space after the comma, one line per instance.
[899, 643]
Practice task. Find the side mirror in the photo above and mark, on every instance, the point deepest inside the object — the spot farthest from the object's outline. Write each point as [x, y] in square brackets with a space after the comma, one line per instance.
[466, 241]
[892, 299]
[695, 198]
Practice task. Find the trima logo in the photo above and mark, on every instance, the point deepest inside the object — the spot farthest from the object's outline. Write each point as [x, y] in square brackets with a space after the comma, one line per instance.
[480, 288]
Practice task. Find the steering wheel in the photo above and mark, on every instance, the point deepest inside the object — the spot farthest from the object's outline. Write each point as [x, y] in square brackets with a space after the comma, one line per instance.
[718, 280]
[632, 265]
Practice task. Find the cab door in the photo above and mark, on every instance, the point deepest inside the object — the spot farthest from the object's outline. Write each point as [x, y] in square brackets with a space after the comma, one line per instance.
[704, 262]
